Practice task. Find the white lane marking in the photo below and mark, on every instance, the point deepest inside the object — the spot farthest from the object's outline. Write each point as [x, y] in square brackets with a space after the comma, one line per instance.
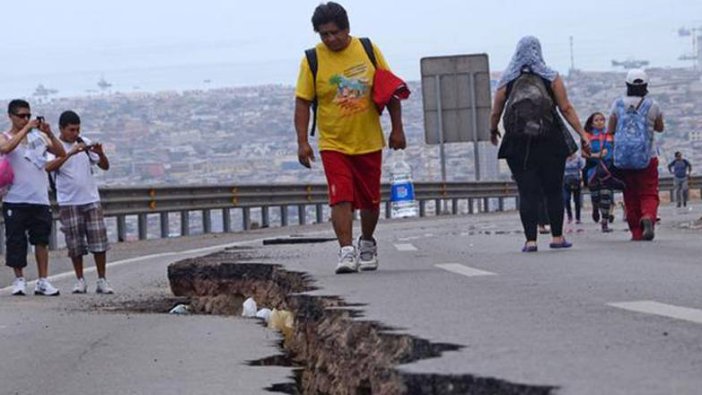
[409, 238]
[405, 247]
[662, 309]
[147, 257]
[464, 270]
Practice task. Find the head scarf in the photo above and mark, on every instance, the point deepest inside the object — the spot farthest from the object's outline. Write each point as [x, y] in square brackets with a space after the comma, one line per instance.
[528, 53]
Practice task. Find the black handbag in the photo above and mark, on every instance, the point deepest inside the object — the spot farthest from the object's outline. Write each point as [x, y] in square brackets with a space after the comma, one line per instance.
[602, 178]
[565, 132]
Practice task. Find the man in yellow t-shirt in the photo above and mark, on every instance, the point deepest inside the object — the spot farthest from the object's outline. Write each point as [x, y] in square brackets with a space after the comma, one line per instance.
[350, 137]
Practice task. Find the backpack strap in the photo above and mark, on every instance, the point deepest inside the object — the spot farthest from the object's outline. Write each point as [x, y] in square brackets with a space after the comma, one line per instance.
[645, 106]
[368, 47]
[311, 55]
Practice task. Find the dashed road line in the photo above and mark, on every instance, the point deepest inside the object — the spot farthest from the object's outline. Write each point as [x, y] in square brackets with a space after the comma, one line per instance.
[464, 270]
[662, 309]
[405, 247]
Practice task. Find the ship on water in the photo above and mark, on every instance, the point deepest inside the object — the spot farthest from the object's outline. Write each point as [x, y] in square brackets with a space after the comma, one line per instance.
[42, 91]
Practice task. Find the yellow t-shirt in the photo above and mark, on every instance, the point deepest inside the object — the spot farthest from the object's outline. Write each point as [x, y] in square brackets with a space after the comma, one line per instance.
[347, 118]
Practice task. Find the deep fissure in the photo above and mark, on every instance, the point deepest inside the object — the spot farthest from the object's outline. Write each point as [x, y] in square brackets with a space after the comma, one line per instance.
[332, 350]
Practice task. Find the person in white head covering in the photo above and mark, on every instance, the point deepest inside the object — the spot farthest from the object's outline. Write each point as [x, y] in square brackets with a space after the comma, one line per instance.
[537, 163]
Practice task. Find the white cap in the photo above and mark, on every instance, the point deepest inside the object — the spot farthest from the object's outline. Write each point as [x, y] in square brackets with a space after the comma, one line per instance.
[636, 74]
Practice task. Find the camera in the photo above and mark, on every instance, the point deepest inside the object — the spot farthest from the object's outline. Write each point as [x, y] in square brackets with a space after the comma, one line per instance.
[40, 119]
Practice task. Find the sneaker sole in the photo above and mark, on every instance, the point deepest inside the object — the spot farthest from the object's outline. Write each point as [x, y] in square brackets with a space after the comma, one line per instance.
[43, 294]
[19, 294]
[368, 267]
[345, 270]
[80, 292]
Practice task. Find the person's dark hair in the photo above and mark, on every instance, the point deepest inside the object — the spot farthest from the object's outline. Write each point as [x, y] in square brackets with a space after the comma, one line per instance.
[16, 105]
[678, 153]
[591, 120]
[330, 12]
[639, 90]
[68, 118]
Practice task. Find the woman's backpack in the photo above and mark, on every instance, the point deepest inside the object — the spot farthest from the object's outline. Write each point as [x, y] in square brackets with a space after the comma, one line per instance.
[529, 108]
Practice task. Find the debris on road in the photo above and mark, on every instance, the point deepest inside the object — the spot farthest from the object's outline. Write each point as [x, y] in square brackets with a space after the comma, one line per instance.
[250, 308]
[283, 321]
[264, 314]
[180, 309]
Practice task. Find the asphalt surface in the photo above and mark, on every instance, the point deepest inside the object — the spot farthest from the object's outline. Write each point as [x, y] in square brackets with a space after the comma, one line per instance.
[607, 316]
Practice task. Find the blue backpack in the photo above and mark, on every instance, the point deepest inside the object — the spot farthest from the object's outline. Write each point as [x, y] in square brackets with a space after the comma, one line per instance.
[632, 142]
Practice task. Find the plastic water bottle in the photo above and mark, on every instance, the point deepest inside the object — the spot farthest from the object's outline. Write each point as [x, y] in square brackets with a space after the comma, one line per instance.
[402, 200]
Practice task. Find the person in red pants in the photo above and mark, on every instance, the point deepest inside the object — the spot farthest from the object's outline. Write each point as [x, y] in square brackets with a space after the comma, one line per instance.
[641, 193]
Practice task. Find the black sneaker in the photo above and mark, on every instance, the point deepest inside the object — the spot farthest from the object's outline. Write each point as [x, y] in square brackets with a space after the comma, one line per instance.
[596, 215]
[647, 226]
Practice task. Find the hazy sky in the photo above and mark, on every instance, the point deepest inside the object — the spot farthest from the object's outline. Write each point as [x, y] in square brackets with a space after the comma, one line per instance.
[263, 41]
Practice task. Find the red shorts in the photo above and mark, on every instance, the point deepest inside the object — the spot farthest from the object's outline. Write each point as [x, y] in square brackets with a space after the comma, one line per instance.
[353, 178]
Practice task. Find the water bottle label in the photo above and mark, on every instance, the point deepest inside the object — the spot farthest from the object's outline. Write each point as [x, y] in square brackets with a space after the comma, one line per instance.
[402, 192]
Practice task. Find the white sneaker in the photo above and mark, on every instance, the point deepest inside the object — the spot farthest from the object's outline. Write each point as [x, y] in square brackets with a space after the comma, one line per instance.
[103, 287]
[347, 260]
[19, 286]
[45, 288]
[367, 255]
[80, 287]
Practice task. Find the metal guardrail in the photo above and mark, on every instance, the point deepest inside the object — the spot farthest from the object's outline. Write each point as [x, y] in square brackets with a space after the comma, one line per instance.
[145, 201]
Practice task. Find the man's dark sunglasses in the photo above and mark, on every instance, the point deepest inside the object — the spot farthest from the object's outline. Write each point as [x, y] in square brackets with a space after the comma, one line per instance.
[27, 115]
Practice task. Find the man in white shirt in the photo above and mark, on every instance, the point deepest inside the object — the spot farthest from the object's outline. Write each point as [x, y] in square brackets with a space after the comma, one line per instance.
[82, 220]
[26, 208]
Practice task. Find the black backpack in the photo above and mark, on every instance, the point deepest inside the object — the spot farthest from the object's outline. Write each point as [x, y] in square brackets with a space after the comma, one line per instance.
[529, 108]
[311, 55]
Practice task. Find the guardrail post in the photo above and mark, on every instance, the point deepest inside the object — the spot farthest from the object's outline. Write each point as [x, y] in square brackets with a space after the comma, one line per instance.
[206, 221]
[121, 228]
[486, 205]
[53, 239]
[301, 214]
[185, 223]
[246, 217]
[319, 211]
[165, 231]
[265, 217]
[672, 195]
[454, 206]
[517, 202]
[284, 215]
[226, 220]
[388, 209]
[501, 204]
[142, 226]
[2, 238]
[437, 207]
[471, 206]
[422, 208]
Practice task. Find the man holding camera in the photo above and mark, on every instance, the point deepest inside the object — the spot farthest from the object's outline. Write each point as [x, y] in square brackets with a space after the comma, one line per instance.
[26, 208]
[82, 220]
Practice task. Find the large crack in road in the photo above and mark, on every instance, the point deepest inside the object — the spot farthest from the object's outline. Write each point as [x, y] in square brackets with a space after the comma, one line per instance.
[332, 350]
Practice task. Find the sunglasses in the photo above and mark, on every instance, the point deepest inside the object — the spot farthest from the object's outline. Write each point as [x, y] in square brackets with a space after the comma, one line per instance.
[27, 115]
